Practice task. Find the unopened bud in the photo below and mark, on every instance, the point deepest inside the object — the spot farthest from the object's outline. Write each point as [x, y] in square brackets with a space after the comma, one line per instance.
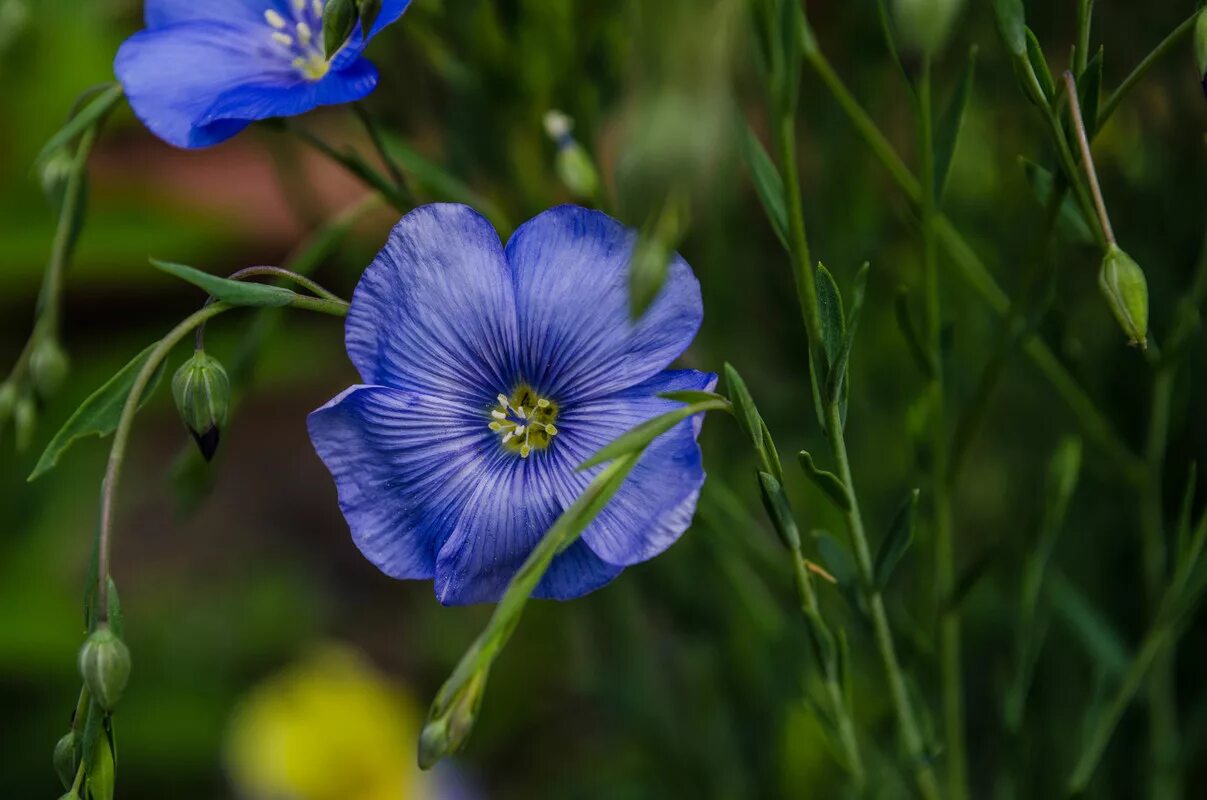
[1200, 46]
[25, 421]
[202, 393]
[574, 166]
[54, 172]
[66, 759]
[1126, 290]
[448, 728]
[49, 366]
[924, 25]
[105, 667]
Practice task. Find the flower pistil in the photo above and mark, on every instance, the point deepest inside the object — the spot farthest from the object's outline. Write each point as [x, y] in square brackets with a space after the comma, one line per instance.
[525, 421]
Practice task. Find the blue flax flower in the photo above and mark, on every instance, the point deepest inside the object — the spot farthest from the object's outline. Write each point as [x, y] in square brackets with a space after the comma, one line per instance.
[489, 374]
[203, 70]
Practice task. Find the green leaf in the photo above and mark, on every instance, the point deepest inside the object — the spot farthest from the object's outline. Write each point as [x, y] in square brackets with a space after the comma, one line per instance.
[767, 184]
[90, 115]
[780, 511]
[1071, 222]
[370, 10]
[641, 436]
[829, 306]
[339, 20]
[910, 334]
[100, 771]
[900, 536]
[1186, 510]
[236, 293]
[822, 640]
[1089, 93]
[948, 134]
[692, 396]
[750, 420]
[1012, 23]
[1103, 644]
[99, 414]
[828, 482]
[1039, 63]
[837, 383]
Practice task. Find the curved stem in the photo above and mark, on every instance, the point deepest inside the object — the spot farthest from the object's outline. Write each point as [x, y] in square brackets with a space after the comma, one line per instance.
[1168, 43]
[1087, 159]
[276, 272]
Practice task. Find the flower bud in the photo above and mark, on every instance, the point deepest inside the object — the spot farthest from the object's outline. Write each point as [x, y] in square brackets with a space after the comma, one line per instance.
[202, 393]
[574, 165]
[448, 728]
[66, 758]
[49, 366]
[924, 25]
[105, 667]
[25, 421]
[1126, 290]
[1200, 46]
[54, 174]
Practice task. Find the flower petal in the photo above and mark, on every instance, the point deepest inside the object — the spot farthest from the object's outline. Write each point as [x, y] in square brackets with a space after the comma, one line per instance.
[264, 101]
[401, 465]
[571, 269]
[174, 75]
[503, 520]
[391, 10]
[656, 504]
[159, 13]
[435, 311]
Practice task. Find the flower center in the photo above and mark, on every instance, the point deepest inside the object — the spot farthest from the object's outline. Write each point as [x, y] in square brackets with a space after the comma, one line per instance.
[525, 421]
[298, 37]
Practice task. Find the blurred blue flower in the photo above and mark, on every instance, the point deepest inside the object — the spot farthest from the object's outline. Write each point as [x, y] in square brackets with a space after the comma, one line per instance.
[491, 373]
[203, 70]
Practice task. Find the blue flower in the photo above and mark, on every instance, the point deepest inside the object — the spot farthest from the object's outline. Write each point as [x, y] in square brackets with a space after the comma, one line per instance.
[489, 374]
[203, 70]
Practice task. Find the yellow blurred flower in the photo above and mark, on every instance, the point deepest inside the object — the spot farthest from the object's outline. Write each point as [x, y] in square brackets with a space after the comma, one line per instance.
[330, 727]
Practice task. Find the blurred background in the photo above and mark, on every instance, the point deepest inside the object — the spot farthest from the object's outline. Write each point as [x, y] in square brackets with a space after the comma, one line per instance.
[272, 661]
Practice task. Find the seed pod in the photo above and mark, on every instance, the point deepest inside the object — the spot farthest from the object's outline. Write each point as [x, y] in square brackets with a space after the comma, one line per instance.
[202, 393]
[1126, 290]
[49, 367]
[66, 758]
[105, 667]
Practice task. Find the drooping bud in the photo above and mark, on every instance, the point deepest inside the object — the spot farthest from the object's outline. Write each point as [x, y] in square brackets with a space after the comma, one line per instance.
[49, 366]
[66, 758]
[924, 25]
[202, 393]
[339, 20]
[449, 725]
[574, 166]
[105, 667]
[1200, 46]
[1126, 290]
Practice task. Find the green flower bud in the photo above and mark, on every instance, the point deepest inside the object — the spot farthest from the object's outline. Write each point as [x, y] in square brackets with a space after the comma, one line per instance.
[449, 727]
[105, 667]
[66, 758]
[574, 166]
[54, 173]
[49, 366]
[924, 25]
[1126, 290]
[202, 393]
[1200, 46]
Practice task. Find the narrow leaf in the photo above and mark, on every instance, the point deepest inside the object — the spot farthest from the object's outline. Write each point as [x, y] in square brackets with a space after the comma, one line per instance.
[909, 332]
[828, 482]
[339, 20]
[99, 414]
[829, 305]
[948, 134]
[1071, 222]
[767, 184]
[1089, 93]
[900, 536]
[88, 116]
[837, 383]
[641, 436]
[747, 413]
[1039, 63]
[1012, 23]
[237, 293]
[780, 511]
[439, 183]
[824, 648]
[692, 396]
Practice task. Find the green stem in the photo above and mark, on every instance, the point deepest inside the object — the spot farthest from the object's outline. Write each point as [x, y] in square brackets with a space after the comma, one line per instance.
[802, 263]
[949, 621]
[370, 125]
[121, 435]
[924, 776]
[353, 163]
[972, 269]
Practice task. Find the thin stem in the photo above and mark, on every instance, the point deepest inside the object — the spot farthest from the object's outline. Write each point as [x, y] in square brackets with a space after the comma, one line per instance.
[370, 125]
[949, 621]
[335, 301]
[1087, 158]
[121, 435]
[924, 776]
[1167, 44]
[972, 269]
[1085, 13]
[802, 263]
[353, 163]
